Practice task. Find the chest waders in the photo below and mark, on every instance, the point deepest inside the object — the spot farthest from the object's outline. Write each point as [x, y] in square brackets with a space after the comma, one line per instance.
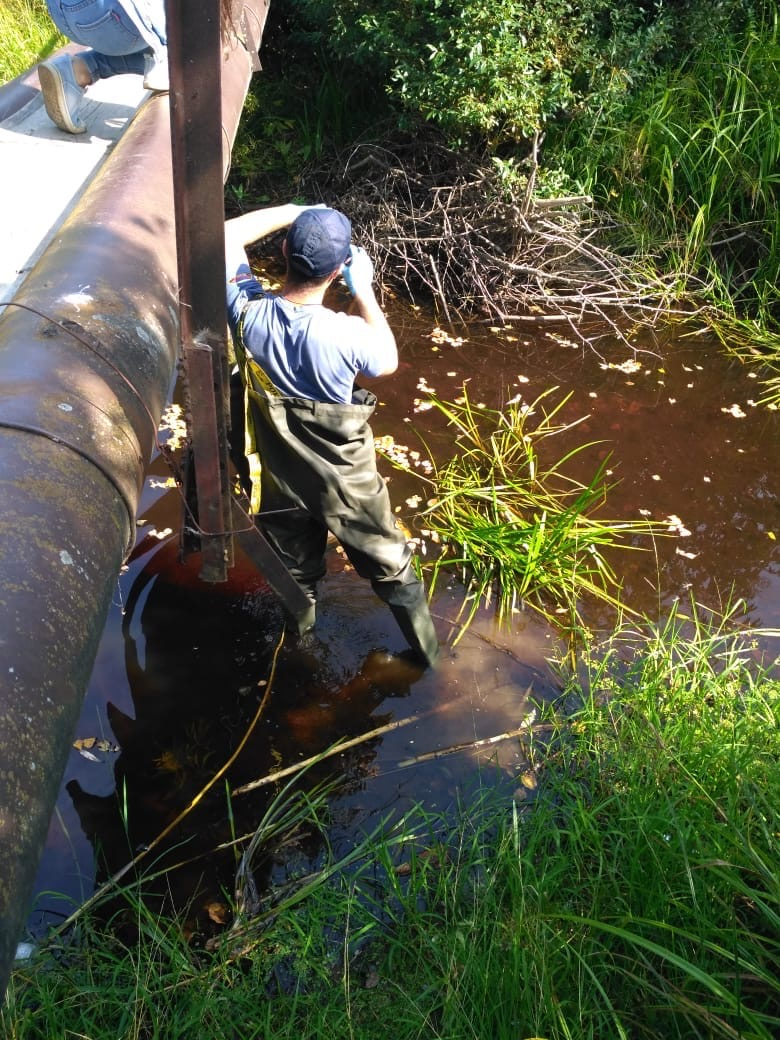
[313, 470]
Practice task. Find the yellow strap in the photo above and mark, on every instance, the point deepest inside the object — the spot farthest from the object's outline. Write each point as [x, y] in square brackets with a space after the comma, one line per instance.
[251, 374]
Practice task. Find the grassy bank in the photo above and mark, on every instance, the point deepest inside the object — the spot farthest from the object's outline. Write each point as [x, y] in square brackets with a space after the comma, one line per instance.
[636, 895]
[28, 35]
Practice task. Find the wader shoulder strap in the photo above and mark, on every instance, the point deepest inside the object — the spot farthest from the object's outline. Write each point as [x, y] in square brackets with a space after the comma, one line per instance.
[252, 377]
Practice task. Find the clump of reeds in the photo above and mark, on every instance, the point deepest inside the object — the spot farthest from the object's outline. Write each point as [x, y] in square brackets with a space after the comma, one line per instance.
[689, 166]
[519, 528]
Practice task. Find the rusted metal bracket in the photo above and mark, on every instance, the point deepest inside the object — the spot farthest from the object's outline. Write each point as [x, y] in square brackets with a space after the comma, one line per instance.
[254, 544]
[195, 58]
[212, 508]
[252, 24]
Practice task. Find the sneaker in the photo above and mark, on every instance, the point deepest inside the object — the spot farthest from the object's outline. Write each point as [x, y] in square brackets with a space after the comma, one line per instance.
[156, 71]
[61, 94]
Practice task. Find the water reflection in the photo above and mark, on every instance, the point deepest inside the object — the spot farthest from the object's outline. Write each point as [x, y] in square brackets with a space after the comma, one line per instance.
[178, 671]
[197, 659]
[684, 437]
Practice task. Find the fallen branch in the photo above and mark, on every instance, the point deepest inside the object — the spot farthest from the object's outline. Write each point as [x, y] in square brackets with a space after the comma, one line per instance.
[335, 749]
[474, 745]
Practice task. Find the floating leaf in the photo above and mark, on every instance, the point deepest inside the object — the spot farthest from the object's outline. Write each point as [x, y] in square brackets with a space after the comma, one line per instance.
[734, 410]
[630, 366]
[687, 555]
[676, 524]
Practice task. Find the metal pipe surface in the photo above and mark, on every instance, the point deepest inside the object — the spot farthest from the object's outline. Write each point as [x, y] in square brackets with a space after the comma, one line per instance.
[87, 354]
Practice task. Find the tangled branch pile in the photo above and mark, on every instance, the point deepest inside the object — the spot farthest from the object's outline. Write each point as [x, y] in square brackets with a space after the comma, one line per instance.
[437, 223]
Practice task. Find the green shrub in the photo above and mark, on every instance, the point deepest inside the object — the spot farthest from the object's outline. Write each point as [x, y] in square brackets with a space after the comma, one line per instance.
[495, 74]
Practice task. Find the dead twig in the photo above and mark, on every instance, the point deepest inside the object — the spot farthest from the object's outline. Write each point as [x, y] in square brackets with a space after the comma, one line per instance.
[440, 224]
[473, 745]
[335, 749]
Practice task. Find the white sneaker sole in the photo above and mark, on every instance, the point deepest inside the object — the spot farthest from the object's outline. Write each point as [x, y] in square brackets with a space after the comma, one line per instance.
[56, 106]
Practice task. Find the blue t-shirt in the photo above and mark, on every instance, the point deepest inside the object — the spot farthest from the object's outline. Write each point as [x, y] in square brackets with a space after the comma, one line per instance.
[306, 350]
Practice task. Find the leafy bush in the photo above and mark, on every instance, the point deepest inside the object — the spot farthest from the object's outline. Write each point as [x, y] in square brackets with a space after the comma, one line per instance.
[496, 74]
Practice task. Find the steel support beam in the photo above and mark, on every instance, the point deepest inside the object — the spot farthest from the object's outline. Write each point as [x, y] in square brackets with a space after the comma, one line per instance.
[194, 45]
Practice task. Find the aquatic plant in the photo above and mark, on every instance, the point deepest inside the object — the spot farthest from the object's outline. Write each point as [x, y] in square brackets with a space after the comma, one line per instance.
[689, 163]
[520, 529]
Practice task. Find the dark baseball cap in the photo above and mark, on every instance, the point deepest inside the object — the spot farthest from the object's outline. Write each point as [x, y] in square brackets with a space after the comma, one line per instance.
[318, 242]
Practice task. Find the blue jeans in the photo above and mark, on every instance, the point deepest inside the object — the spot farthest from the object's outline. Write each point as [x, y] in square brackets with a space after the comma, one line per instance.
[120, 32]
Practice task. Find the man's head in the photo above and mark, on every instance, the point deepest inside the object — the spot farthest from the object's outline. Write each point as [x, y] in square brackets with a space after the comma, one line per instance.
[317, 244]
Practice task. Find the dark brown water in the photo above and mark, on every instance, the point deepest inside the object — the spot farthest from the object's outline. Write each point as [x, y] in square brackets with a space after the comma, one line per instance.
[182, 665]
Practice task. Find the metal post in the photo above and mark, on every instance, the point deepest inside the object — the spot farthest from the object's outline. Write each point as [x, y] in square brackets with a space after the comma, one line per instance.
[196, 146]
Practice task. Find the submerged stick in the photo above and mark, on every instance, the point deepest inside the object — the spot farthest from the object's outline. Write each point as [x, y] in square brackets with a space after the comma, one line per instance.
[453, 749]
[335, 749]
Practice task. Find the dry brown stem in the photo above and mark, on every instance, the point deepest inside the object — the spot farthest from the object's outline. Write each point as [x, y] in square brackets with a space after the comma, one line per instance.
[440, 226]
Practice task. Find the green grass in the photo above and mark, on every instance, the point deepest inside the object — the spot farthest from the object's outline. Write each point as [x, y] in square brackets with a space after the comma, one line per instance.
[28, 35]
[521, 530]
[637, 895]
[689, 164]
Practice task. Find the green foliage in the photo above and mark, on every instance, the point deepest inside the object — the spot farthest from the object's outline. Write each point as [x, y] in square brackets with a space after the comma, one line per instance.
[519, 528]
[636, 895]
[494, 73]
[691, 162]
[291, 126]
[28, 35]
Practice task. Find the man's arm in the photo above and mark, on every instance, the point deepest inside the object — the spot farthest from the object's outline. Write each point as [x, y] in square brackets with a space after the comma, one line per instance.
[250, 227]
[358, 273]
[383, 339]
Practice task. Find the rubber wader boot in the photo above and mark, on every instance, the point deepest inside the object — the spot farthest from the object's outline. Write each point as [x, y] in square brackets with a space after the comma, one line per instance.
[417, 627]
[304, 621]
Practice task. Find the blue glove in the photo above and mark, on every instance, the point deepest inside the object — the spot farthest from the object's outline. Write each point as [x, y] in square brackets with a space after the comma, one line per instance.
[358, 271]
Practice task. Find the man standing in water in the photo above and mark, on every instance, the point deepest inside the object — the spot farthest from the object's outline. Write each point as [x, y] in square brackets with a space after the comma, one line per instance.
[307, 422]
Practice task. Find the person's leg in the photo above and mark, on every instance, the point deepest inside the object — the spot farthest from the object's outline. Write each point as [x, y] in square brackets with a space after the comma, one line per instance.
[104, 66]
[119, 42]
[386, 561]
[148, 17]
[299, 540]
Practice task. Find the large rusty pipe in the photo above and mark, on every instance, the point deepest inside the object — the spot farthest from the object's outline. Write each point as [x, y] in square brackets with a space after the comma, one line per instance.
[87, 354]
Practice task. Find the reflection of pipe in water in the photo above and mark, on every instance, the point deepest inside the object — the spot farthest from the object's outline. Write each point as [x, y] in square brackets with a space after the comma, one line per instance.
[197, 658]
[195, 661]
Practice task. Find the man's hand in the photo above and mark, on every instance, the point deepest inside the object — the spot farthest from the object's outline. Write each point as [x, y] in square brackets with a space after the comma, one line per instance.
[358, 271]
